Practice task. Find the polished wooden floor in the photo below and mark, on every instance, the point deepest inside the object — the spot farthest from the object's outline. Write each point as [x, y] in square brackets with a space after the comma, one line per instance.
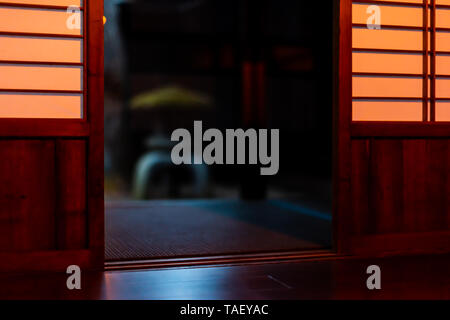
[402, 278]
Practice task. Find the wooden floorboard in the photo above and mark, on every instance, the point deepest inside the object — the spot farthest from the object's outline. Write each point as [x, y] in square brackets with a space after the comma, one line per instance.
[401, 278]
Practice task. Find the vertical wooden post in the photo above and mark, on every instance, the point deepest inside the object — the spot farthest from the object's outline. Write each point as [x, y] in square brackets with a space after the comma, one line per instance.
[341, 125]
[95, 118]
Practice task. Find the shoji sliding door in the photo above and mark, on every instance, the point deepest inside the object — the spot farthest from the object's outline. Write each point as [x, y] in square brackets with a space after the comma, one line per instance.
[51, 134]
[400, 69]
[41, 60]
[393, 124]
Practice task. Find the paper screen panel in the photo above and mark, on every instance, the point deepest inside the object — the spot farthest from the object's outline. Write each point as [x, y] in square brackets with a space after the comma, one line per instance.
[405, 1]
[380, 62]
[387, 39]
[442, 88]
[443, 41]
[442, 18]
[35, 49]
[444, 2]
[78, 3]
[38, 105]
[443, 64]
[390, 15]
[392, 87]
[387, 110]
[23, 77]
[30, 20]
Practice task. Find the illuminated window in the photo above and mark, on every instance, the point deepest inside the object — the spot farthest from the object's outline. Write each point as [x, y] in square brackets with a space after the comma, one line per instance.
[42, 59]
[401, 60]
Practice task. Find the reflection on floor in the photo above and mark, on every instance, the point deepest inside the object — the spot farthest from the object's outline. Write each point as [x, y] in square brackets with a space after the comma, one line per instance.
[402, 278]
[158, 229]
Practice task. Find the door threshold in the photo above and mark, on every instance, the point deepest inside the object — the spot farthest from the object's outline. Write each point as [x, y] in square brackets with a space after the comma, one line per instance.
[221, 260]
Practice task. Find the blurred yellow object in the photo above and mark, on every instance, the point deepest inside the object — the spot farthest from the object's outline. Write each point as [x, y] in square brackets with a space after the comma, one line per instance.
[104, 19]
[174, 97]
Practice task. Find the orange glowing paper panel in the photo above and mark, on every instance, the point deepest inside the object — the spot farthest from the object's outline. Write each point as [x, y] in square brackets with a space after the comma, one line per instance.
[41, 60]
[406, 1]
[368, 86]
[364, 38]
[14, 48]
[387, 63]
[46, 21]
[443, 88]
[22, 77]
[443, 111]
[443, 41]
[40, 106]
[443, 64]
[381, 62]
[387, 110]
[443, 18]
[391, 15]
[77, 3]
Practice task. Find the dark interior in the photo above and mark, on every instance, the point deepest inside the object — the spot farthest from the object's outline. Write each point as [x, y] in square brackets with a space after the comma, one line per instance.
[261, 64]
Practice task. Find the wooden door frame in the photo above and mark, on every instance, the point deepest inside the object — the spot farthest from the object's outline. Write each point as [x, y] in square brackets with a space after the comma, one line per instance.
[342, 92]
[89, 129]
[95, 95]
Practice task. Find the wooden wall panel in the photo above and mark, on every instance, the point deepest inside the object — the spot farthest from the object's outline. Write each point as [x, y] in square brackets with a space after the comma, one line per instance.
[71, 194]
[27, 195]
[438, 175]
[414, 185]
[43, 195]
[359, 182]
[385, 187]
